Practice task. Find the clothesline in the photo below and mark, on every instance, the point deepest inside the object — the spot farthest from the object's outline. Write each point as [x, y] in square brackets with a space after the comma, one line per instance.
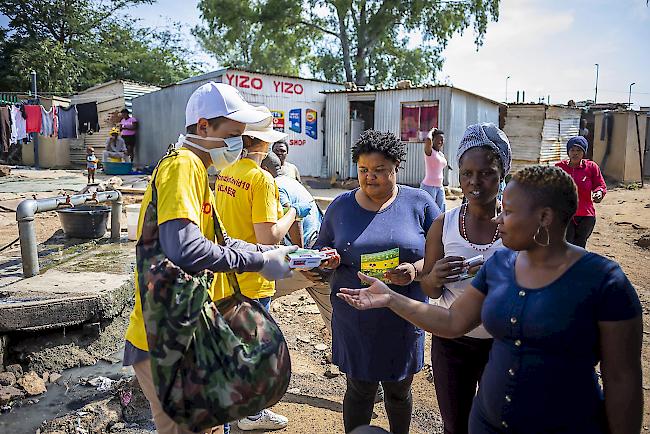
[19, 120]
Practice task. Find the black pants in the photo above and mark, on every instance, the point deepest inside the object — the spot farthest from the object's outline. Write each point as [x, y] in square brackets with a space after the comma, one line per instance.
[457, 368]
[129, 141]
[579, 230]
[360, 399]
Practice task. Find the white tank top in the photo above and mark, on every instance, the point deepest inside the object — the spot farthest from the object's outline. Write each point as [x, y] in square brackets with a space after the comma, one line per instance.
[455, 245]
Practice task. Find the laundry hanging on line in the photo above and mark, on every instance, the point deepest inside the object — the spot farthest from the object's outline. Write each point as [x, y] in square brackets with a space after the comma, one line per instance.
[5, 129]
[60, 122]
[47, 121]
[88, 118]
[18, 125]
[33, 118]
[67, 117]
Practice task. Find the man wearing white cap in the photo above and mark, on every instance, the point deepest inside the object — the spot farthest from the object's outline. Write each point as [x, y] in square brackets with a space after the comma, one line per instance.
[249, 205]
[215, 118]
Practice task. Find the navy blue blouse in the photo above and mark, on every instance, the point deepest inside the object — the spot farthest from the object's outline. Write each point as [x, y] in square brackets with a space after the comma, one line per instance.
[376, 344]
[540, 377]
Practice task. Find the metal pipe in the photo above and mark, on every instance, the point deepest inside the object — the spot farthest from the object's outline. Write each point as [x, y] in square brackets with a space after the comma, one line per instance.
[116, 212]
[27, 209]
[596, 93]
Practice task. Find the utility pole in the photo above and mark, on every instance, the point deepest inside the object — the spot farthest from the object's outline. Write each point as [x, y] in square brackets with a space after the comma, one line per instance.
[596, 94]
[34, 91]
[629, 97]
[507, 78]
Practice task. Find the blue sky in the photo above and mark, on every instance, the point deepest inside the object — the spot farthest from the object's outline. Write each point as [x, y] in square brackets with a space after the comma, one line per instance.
[547, 47]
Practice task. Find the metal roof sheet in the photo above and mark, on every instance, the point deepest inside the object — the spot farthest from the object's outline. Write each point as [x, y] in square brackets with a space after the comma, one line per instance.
[423, 86]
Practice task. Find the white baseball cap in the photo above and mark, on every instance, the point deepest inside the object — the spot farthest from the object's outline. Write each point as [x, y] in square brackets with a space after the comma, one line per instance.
[214, 100]
[264, 130]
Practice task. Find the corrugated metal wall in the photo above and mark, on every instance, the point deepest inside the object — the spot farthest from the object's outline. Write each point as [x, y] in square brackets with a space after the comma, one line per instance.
[110, 97]
[337, 125]
[466, 109]
[456, 110]
[560, 125]
[388, 112]
[161, 117]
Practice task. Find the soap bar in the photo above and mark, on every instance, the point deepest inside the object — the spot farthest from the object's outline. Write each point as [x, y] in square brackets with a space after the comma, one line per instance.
[307, 258]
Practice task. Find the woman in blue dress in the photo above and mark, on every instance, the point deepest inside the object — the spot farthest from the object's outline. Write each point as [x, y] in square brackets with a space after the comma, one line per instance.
[555, 311]
[379, 228]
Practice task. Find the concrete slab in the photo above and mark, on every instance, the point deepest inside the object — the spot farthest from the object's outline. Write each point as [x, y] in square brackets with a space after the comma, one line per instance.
[59, 299]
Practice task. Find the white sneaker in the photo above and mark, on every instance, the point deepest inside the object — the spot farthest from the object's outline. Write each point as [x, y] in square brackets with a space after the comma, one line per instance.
[267, 421]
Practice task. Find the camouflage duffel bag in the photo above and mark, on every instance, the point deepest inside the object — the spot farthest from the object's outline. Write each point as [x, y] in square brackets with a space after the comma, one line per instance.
[211, 363]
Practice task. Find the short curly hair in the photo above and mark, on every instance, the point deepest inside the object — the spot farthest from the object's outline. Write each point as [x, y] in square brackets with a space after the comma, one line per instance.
[551, 187]
[386, 144]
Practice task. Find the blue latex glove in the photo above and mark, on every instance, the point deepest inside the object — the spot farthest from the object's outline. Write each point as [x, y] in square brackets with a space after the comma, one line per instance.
[302, 209]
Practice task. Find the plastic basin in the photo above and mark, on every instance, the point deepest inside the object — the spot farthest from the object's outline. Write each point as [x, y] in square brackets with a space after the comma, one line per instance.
[111, 168]
[84, 221]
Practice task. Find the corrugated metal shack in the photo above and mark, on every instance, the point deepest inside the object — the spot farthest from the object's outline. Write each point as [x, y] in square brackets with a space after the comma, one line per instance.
[538, 132]
[617, 147]
[111, 97]
[409, 112]
[297, 104]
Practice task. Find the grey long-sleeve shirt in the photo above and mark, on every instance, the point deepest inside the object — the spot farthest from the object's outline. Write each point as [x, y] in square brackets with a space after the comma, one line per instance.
[185, 245]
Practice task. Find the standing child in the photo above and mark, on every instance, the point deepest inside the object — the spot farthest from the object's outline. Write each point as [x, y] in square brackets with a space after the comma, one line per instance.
[91, 164]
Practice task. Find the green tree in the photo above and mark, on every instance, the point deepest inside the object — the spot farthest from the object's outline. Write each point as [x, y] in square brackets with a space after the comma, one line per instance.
[75, 44]
[360, 41]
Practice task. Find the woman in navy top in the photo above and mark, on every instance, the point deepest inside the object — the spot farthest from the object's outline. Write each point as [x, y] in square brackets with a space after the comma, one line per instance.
[554, 310]
[379, 228]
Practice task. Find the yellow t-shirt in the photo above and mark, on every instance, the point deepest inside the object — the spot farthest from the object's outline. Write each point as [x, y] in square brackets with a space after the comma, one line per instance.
[183, 193]
[246, 195]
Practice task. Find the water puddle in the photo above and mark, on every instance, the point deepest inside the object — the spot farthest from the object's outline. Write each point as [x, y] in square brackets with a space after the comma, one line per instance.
[59, 399]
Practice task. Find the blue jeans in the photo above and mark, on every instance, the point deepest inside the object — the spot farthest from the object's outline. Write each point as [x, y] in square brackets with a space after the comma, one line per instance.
[438, 195]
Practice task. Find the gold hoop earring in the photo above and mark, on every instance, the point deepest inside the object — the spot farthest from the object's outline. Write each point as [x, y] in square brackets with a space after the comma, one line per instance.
[548, 237]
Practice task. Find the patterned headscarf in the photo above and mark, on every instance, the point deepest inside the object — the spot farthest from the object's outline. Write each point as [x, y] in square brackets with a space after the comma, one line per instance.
[486, 134]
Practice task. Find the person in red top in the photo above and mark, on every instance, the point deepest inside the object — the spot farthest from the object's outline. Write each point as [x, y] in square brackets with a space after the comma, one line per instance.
[591, 188]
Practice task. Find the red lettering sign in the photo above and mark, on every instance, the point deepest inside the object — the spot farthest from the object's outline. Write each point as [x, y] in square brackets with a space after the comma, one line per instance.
[297, 142]
[289, 88]
[244, 81]
[247, 82]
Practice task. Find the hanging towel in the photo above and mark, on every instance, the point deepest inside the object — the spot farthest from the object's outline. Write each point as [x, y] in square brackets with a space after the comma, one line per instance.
[19, 125]
[47, 121]
[88, 119]
[33, 113]
[67, 122]
[5, 129]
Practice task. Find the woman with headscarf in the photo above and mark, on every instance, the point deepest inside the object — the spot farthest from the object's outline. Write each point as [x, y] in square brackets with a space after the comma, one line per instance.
[379, 228]
[464, 232]
[591, 188]
[555, 310]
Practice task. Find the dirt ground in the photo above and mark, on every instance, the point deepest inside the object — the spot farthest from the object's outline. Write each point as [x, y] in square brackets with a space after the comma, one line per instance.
[314, 401]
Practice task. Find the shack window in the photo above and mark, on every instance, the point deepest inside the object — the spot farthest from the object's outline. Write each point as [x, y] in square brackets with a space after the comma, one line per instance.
[417, 120]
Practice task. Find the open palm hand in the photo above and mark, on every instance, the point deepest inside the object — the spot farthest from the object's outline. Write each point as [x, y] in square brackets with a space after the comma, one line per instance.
[375, 296]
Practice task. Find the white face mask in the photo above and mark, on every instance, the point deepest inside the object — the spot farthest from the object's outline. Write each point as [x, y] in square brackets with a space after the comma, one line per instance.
[221, 157]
